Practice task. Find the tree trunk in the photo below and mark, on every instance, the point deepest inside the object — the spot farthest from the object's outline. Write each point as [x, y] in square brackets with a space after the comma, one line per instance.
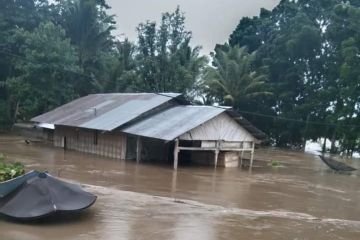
[15, 114]
[333, 139]
[324, 145]
[305, 133]
[352, 148]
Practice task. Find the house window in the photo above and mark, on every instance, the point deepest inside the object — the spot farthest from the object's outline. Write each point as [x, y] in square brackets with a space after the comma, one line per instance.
[95, 137]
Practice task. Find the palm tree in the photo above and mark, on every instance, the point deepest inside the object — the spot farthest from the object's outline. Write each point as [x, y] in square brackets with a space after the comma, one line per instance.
[231, 80]
[89, 28]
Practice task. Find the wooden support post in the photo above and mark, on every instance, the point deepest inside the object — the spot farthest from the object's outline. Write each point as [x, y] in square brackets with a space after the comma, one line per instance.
[176, 153]
[173, 184]
[216, 157]
[242, 153]
[138, 149]
[123, 147]
[217, 150]
[241, 158]
[252, 155]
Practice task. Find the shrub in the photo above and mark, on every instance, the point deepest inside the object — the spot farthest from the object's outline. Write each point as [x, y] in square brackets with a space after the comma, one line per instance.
[10, 170]
[274, 164]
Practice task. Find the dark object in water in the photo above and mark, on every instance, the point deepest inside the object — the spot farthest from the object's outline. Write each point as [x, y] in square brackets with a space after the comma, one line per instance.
[10, 185]
[336, 165]
[43, 195]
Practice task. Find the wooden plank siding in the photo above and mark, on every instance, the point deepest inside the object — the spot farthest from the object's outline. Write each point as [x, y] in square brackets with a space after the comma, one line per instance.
[109, 144]
[222, 142]
[221, 127]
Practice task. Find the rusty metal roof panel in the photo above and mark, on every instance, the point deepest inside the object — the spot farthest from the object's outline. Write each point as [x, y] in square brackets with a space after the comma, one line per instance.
[173, 122]
[104, 111]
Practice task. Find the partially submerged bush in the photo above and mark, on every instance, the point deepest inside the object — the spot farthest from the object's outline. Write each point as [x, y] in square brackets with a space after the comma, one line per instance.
[274, 164]
[10, 170]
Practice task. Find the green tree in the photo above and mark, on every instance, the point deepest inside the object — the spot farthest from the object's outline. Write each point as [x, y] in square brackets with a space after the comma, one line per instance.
[46, 71]
[232, 81]
[89, 27]
[166, 61]
[306, 46]
[123, 75]
[25, 14]
[343, 63]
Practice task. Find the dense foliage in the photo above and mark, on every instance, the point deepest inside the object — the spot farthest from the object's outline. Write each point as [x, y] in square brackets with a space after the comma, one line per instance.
[54, 51]
[310, 49]
[233, 81]
[10, 170]
[166, 62]
[293, 71]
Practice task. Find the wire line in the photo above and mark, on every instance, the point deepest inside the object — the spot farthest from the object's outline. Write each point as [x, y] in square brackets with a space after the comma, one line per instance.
[297, 120]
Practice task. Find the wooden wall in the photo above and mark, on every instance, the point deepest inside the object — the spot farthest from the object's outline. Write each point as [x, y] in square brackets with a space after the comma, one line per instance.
[109, 144]
[222, 127]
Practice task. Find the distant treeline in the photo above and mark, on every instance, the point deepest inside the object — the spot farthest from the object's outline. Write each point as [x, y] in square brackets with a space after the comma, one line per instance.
[293, 71]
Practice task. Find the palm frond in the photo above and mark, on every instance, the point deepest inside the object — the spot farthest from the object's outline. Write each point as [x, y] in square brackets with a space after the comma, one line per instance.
[232, 76]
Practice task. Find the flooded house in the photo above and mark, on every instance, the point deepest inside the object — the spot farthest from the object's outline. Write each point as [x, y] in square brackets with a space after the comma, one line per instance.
[152, 127]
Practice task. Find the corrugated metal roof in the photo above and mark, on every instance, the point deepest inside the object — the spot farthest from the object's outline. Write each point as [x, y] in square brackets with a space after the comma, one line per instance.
[104, 111]
[173, 122]
[46, 125]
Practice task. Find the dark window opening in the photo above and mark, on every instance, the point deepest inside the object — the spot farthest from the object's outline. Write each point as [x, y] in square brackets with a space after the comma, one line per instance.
[190, 143]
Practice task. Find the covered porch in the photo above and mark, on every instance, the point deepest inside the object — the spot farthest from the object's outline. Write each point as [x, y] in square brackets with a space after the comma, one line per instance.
[217, 147]
[212, 153]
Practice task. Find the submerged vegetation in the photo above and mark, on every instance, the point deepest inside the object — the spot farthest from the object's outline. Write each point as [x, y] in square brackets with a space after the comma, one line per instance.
[10, 170]
[292, 71]
[274, 164]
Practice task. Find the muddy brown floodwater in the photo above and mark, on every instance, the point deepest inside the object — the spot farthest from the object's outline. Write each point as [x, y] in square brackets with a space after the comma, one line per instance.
[301, 200]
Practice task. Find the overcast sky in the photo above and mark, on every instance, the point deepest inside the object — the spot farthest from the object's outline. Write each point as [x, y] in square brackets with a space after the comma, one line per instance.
[211, 21]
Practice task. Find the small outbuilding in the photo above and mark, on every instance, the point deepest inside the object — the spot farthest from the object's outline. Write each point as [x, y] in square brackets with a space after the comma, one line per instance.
[152, 127]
